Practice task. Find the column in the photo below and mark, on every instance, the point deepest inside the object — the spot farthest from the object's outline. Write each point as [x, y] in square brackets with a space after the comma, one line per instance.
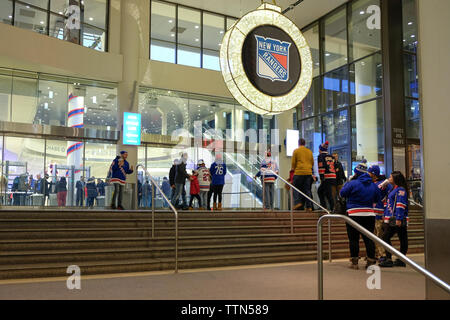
[433, 50]
[133, 41]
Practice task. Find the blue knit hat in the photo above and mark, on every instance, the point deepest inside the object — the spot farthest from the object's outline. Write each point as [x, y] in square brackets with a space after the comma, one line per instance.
[123, 151]
[374, 170]
[361, 168]
[324, 146]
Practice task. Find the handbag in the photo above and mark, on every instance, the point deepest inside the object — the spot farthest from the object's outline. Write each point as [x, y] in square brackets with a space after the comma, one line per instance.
[340, 207]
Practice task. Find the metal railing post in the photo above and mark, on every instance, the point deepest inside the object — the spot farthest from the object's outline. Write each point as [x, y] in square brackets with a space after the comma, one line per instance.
[153, 210]
[264, 190]
[329, 240]
[292, 208]
[374, 238]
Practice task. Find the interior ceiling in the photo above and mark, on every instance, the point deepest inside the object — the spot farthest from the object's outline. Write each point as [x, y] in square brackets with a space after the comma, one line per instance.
[303, 14]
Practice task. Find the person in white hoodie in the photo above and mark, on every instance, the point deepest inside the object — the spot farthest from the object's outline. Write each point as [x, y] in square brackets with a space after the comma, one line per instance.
[204, 180]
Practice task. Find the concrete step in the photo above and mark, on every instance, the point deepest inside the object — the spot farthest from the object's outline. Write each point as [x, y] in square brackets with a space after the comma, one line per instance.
[17, 271]
[129, 242]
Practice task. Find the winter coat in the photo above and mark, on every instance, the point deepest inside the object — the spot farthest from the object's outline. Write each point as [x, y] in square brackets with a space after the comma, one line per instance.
[61, 185]
[91, 189]
[181, 174]
[397, 205]
[195, 187]
[119, 174]
[361, 194]
[325, 163]
[381, 204]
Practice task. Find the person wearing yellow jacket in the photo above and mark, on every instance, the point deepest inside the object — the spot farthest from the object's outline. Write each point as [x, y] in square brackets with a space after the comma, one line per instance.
[302, 163]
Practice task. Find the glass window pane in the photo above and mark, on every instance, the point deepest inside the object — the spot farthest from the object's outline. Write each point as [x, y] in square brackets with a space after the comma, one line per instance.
[411, 76]
[27, 17]
[335, 45]
[312, 37]
[52, 105]
[311, 131]
[163, 32]
[409, 25]
[310, 105]
[100, 107]
[23, 162]
[162, 111]
[213, 30]
[61, 6]
[188, 37]
[38, 3]
[211, 59]
[5, 97]
[65, 159]
[94, 12]
[24, 100]
[6, 11]
[368, 133]
[366, 79]
[336, 132]
[57, 26]
[412, 119]
[93, 38]
[98, 158]
[336, 89]
[363, 40]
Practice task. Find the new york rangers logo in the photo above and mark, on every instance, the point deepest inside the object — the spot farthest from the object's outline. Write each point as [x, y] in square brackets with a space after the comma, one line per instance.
[273, 59]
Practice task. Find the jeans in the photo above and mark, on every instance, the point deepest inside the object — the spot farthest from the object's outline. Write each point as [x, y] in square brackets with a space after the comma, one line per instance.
[179, 188]
[204, 198]
[90, 201]
[402, 233]
[327, 191]
[195, 196]
[117, 195]
[79, 200]
[147, 200]
[302, 183]
[353, 236]
[269, 189]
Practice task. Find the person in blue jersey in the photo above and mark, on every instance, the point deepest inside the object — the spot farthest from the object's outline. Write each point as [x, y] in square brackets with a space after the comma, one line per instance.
[218, 172]
[396, 218]
[362, 195]
[119, 170]
[385, 188]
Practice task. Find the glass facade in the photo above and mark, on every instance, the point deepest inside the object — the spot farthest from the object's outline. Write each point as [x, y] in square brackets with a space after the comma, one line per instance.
[34, 98]
[185, 35]
[81, 22]
[344, 105]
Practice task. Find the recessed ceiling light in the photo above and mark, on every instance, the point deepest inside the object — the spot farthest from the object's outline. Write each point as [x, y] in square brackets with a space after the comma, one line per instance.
[410, 23]
[170, 21]
[413, 36]
[91, 19]
[327, 54]
[196, 27]
[196, 40]
[361, 12]
[42, 22]
[172, 35]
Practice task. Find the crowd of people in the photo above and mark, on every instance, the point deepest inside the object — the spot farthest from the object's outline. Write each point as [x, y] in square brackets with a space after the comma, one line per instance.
[378, 204]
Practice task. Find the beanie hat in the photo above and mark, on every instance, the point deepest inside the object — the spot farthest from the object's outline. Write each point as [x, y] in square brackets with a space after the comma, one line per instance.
[324, 146]
[375, 170]
[200, 162]
[361, 168]
[122, 152]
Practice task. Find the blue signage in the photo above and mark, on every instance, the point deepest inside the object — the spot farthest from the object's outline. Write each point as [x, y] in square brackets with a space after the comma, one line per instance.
[131, 128]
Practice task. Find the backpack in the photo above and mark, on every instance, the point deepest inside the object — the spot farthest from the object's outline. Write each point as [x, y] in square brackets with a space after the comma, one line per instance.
[340, 207]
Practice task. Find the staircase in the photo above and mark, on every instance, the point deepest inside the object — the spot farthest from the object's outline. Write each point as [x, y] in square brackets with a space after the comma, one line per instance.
[44, 243]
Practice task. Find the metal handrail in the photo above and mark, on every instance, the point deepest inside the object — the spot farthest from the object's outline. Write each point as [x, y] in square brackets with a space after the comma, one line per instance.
[292, 210]
[374, 238]
[155, 184]
[415, 203]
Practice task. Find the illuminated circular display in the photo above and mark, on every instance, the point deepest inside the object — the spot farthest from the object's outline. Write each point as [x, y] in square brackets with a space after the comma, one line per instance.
[266, 62]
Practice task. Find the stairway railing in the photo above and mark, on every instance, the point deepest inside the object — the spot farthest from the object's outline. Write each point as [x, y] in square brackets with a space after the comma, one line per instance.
[292, 205]
[374, 238]
[155, 185]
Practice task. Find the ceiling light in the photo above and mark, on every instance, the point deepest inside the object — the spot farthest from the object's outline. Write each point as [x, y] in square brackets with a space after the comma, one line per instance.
[327, 54]
[172, 35]
[42, 22]
[413, 36]
[50, 94]
[410, 23]
[196, 27]
[361, 12]
[60, 12]
[196, 40]
[10, 17]
[91, 19]
[170, 21]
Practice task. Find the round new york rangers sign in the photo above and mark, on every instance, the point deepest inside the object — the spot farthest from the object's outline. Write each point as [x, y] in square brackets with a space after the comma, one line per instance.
[266, 62]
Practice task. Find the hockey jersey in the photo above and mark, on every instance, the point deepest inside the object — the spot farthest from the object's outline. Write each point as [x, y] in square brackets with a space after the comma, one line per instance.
[267, 170]
[325, 164]
[218, 172]
[385, 189]
[397, 205]
[204, 178]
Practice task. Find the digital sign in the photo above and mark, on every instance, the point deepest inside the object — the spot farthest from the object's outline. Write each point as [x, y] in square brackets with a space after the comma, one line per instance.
[131, 128]
[292, 137]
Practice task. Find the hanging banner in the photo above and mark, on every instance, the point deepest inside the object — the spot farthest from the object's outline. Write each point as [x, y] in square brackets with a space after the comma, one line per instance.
[266, 62]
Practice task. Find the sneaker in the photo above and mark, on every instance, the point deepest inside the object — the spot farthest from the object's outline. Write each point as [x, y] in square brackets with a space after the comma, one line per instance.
[190, 208]
[399, 263]
[370, 262]
[354, 263]
[120, 208]
[381, 259]
[386, 264]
